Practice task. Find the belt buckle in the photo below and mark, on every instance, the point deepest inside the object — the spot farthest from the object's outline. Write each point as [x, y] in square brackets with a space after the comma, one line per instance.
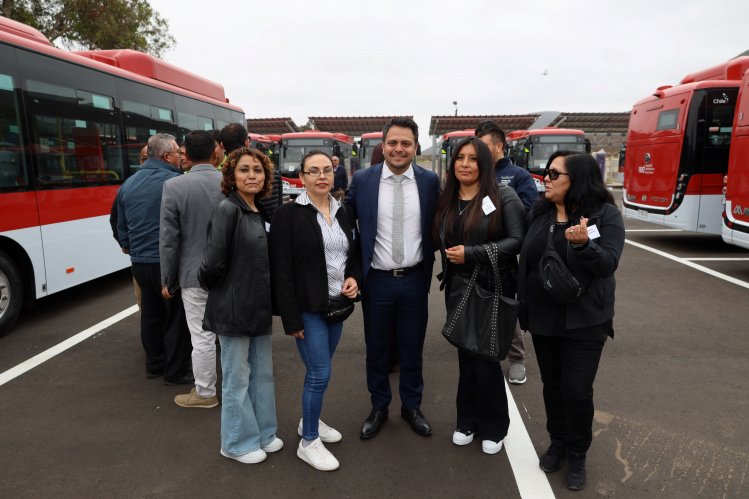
[399, 272]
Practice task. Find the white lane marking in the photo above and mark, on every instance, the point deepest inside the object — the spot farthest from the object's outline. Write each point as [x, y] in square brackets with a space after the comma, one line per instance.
[717, 259]
[532, 482]
[695, 266]
[38, 359]
[653, 230]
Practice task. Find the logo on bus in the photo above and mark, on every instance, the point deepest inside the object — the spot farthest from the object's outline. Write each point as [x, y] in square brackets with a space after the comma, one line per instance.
[738, 210]
[722, 100]
[646, 169]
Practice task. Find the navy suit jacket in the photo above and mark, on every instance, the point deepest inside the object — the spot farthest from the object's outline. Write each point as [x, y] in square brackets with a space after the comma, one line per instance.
[363, 197]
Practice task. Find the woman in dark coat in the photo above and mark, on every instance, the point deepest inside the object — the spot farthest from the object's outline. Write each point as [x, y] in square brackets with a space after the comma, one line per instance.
[587, 231]
[315, 261]
[236, 272]
[474, 210]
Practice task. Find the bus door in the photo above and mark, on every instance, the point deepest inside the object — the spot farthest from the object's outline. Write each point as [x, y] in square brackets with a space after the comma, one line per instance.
[737, 187]
[706, 148]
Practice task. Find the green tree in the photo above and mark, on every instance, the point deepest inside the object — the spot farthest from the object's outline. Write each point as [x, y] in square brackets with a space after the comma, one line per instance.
[95, 24]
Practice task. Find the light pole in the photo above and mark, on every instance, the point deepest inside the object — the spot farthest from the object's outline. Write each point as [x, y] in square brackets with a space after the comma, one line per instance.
[455, 103]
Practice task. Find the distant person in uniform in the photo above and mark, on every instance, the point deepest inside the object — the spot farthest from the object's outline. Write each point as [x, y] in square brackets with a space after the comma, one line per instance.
[186, 207]
[340, 179]
[522, 182]
[164, 333]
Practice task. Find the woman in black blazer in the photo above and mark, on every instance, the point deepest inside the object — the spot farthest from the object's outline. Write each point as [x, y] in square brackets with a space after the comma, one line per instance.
[314, 260]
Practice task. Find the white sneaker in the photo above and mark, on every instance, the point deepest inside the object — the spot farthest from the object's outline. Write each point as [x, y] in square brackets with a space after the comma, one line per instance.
[275, 445]
[490, 447]
[516, 375]
[327, 434]
[317, 456]
[253, 457]
[462, 437]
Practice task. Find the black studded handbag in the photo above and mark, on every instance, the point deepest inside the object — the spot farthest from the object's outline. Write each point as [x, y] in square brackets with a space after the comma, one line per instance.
[480, 321]
[557, 280]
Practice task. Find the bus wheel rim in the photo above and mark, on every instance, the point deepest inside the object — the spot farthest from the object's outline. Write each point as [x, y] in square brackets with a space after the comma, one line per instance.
[4, 294]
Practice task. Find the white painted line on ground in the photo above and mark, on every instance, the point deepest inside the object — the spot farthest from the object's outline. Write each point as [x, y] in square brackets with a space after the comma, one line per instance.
[717, 259]
[695, 266]
[23, 367]
[532, 482]
[653, 230]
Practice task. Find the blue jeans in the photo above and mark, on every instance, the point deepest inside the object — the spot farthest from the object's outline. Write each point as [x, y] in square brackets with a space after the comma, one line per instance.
[248, 408]
[316, 349]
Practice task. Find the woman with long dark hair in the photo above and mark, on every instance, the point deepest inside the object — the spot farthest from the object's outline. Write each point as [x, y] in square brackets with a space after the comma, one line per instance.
[474, 210]
[586, 228]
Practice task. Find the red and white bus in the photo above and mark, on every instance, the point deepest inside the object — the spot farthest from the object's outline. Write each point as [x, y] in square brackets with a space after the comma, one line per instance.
[735, 227]
[532, 149]
[447, 144]
[71, 127]
[295, 145]
[367, 144]
[678, 145]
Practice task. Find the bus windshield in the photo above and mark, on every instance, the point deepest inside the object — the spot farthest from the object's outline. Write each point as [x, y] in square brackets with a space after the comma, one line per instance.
[367, 147]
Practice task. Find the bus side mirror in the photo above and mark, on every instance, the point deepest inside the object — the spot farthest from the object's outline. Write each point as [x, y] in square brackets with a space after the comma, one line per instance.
[337, 150]
[587, 145]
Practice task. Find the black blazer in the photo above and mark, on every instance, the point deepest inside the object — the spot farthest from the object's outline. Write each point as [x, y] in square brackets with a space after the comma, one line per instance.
[298, 272]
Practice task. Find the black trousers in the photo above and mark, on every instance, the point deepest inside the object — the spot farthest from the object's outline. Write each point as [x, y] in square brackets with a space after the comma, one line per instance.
[568, 368]
[481, 399]
[163, 326]
[395, 309]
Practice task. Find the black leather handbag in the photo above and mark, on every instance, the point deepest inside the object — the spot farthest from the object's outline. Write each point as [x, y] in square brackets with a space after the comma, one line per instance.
[339, 309]
[480, 321]
[556, 279]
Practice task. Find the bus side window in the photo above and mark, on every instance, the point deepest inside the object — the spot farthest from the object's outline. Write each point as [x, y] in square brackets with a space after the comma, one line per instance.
[13, 172]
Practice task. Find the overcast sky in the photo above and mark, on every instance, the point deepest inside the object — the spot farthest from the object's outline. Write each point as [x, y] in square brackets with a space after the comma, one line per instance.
[401, 57]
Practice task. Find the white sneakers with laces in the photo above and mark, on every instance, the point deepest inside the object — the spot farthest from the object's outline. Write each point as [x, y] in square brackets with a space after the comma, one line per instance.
[327, 434]
[317, 456]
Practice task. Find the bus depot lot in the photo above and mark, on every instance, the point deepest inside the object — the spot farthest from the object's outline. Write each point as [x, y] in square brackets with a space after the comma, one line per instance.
[671, 402]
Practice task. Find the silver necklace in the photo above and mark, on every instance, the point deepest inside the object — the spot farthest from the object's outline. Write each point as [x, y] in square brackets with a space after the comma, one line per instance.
[460, 212]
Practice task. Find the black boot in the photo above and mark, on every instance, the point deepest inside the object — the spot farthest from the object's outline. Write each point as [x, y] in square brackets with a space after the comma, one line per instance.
[551, 461]
[575, 477]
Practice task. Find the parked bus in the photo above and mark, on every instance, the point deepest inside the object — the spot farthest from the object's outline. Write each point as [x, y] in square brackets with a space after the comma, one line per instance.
[448, 143]
[532, 149]
[367, 144]
[295, 145]
[678, 145]
[735, 227]
[71, 127]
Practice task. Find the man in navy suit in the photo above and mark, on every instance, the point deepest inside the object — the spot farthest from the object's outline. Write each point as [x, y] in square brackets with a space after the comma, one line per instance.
[395, 203]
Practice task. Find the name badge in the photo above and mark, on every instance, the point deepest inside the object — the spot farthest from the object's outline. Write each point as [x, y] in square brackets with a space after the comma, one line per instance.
[267, 227]
[487, 205]
[593, 232]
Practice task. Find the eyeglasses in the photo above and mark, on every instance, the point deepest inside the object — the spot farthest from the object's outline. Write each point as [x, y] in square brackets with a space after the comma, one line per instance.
[554, 174]
[315, 172]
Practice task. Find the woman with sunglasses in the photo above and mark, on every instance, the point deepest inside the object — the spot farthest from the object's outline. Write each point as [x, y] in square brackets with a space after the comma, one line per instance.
[314, 264]
[587, 231]
[474, 210]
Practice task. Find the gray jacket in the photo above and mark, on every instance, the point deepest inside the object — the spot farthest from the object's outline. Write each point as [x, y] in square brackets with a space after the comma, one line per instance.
[186, 207]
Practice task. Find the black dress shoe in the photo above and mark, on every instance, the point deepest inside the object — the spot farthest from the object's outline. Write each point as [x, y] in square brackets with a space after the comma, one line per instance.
[185, 380]
[418, 422]
[154, 374]
[373, 423]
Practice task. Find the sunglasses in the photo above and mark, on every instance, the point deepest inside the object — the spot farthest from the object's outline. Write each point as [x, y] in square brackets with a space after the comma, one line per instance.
[553, 174]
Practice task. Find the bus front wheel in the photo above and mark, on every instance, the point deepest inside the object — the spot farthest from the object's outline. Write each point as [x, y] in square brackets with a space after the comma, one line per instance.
[11, 293]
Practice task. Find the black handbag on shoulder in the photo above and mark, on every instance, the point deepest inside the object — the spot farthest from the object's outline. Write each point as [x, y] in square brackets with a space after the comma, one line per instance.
[556, 279]
[480, 321]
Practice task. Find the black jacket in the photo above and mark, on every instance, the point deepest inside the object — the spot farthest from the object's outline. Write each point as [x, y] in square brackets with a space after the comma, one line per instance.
[593, 266]
[236, 271]
[299, 273]
[513, 230]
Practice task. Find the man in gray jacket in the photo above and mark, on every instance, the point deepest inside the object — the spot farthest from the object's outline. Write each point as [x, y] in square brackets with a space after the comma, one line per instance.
[186, 207]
